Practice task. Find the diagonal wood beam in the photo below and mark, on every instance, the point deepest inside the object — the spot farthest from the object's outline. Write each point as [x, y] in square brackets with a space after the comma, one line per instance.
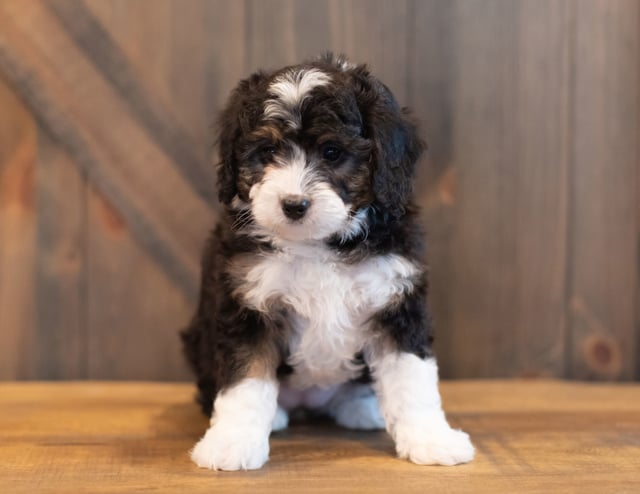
[91, 37]
[74, 103]
[64, 132]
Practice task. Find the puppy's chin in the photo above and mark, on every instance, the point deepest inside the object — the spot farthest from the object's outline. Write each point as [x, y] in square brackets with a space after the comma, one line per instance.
[327, 215]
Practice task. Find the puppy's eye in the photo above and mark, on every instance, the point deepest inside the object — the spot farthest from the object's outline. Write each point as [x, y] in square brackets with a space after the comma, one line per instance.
[331, 152]
[265, 153]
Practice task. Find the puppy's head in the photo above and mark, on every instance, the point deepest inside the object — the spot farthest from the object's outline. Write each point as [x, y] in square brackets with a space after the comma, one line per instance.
[305, 150]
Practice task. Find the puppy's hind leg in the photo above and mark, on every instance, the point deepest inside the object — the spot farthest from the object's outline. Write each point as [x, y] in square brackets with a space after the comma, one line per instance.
[355, 406]
[280, 420]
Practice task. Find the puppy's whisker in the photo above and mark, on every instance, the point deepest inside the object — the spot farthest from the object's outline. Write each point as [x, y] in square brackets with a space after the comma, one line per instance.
[242, 220]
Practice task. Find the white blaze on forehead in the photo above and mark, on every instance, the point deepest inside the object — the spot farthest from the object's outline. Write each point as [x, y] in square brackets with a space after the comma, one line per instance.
[290, 90]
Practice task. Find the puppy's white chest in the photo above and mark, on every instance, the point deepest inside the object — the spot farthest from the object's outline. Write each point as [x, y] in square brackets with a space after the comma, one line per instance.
[329, 303]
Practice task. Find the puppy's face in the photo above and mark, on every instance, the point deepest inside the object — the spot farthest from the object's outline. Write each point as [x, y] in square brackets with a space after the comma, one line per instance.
[306, 150]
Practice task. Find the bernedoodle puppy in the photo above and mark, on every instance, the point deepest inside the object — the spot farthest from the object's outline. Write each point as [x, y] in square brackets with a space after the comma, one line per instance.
[313, 289]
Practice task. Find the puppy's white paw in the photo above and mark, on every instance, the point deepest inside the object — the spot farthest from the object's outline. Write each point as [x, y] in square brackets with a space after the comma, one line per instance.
[361, 413]
[230, 447]
[280, 421]
[434, 445]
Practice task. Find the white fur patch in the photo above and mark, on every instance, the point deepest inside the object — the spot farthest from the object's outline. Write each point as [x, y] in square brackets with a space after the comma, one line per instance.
[357, 225]
[355, 406]
[238, 438]
[290, 90]
[330, 304]
[327, 213]
[280, 420]
[407, 387]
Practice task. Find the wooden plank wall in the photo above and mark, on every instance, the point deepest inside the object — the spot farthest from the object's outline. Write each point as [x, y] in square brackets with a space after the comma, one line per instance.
[530, 191]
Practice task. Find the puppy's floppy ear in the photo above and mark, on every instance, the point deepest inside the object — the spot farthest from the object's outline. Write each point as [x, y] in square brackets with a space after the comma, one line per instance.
[396, 144]
[242, 109]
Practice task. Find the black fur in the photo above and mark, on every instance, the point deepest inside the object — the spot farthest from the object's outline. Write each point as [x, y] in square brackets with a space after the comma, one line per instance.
[397, 146]
[241, 114]
[221, 327]
[382, 148]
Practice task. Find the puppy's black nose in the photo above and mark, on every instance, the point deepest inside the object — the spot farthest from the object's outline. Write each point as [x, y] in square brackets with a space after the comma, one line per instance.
[295, 207]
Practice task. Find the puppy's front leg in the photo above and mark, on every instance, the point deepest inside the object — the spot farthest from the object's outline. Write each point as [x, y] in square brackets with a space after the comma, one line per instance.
[407, 387]
[238, 438]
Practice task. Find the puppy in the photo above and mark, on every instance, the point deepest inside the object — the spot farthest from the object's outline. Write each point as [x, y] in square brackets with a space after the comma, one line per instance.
[313, 289]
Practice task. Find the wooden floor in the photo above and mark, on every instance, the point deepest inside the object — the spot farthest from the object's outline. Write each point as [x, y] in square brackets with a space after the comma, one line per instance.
[531, 436]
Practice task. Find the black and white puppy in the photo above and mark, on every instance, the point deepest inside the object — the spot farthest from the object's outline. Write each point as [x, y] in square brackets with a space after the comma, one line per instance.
[313, 289]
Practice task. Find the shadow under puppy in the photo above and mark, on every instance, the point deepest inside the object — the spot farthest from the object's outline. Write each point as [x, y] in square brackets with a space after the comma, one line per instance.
[313, 290]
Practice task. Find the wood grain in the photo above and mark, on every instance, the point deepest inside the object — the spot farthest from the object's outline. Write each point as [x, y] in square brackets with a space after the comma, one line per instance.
[204, 69]
[18, 231]
[313, 29]
[529, 190]
[104, 52]
[377, 33]
[130, 301]
[534, 436]
[60, 300]
[604, 239]
[269, 34]
[506, 189]
[172, 232]
[133, 310]
[431, 96]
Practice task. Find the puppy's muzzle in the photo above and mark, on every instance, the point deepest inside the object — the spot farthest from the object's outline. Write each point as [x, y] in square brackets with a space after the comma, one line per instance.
[295, 207]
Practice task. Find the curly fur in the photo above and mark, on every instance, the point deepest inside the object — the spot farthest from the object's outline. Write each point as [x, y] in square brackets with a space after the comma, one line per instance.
[334, 295]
